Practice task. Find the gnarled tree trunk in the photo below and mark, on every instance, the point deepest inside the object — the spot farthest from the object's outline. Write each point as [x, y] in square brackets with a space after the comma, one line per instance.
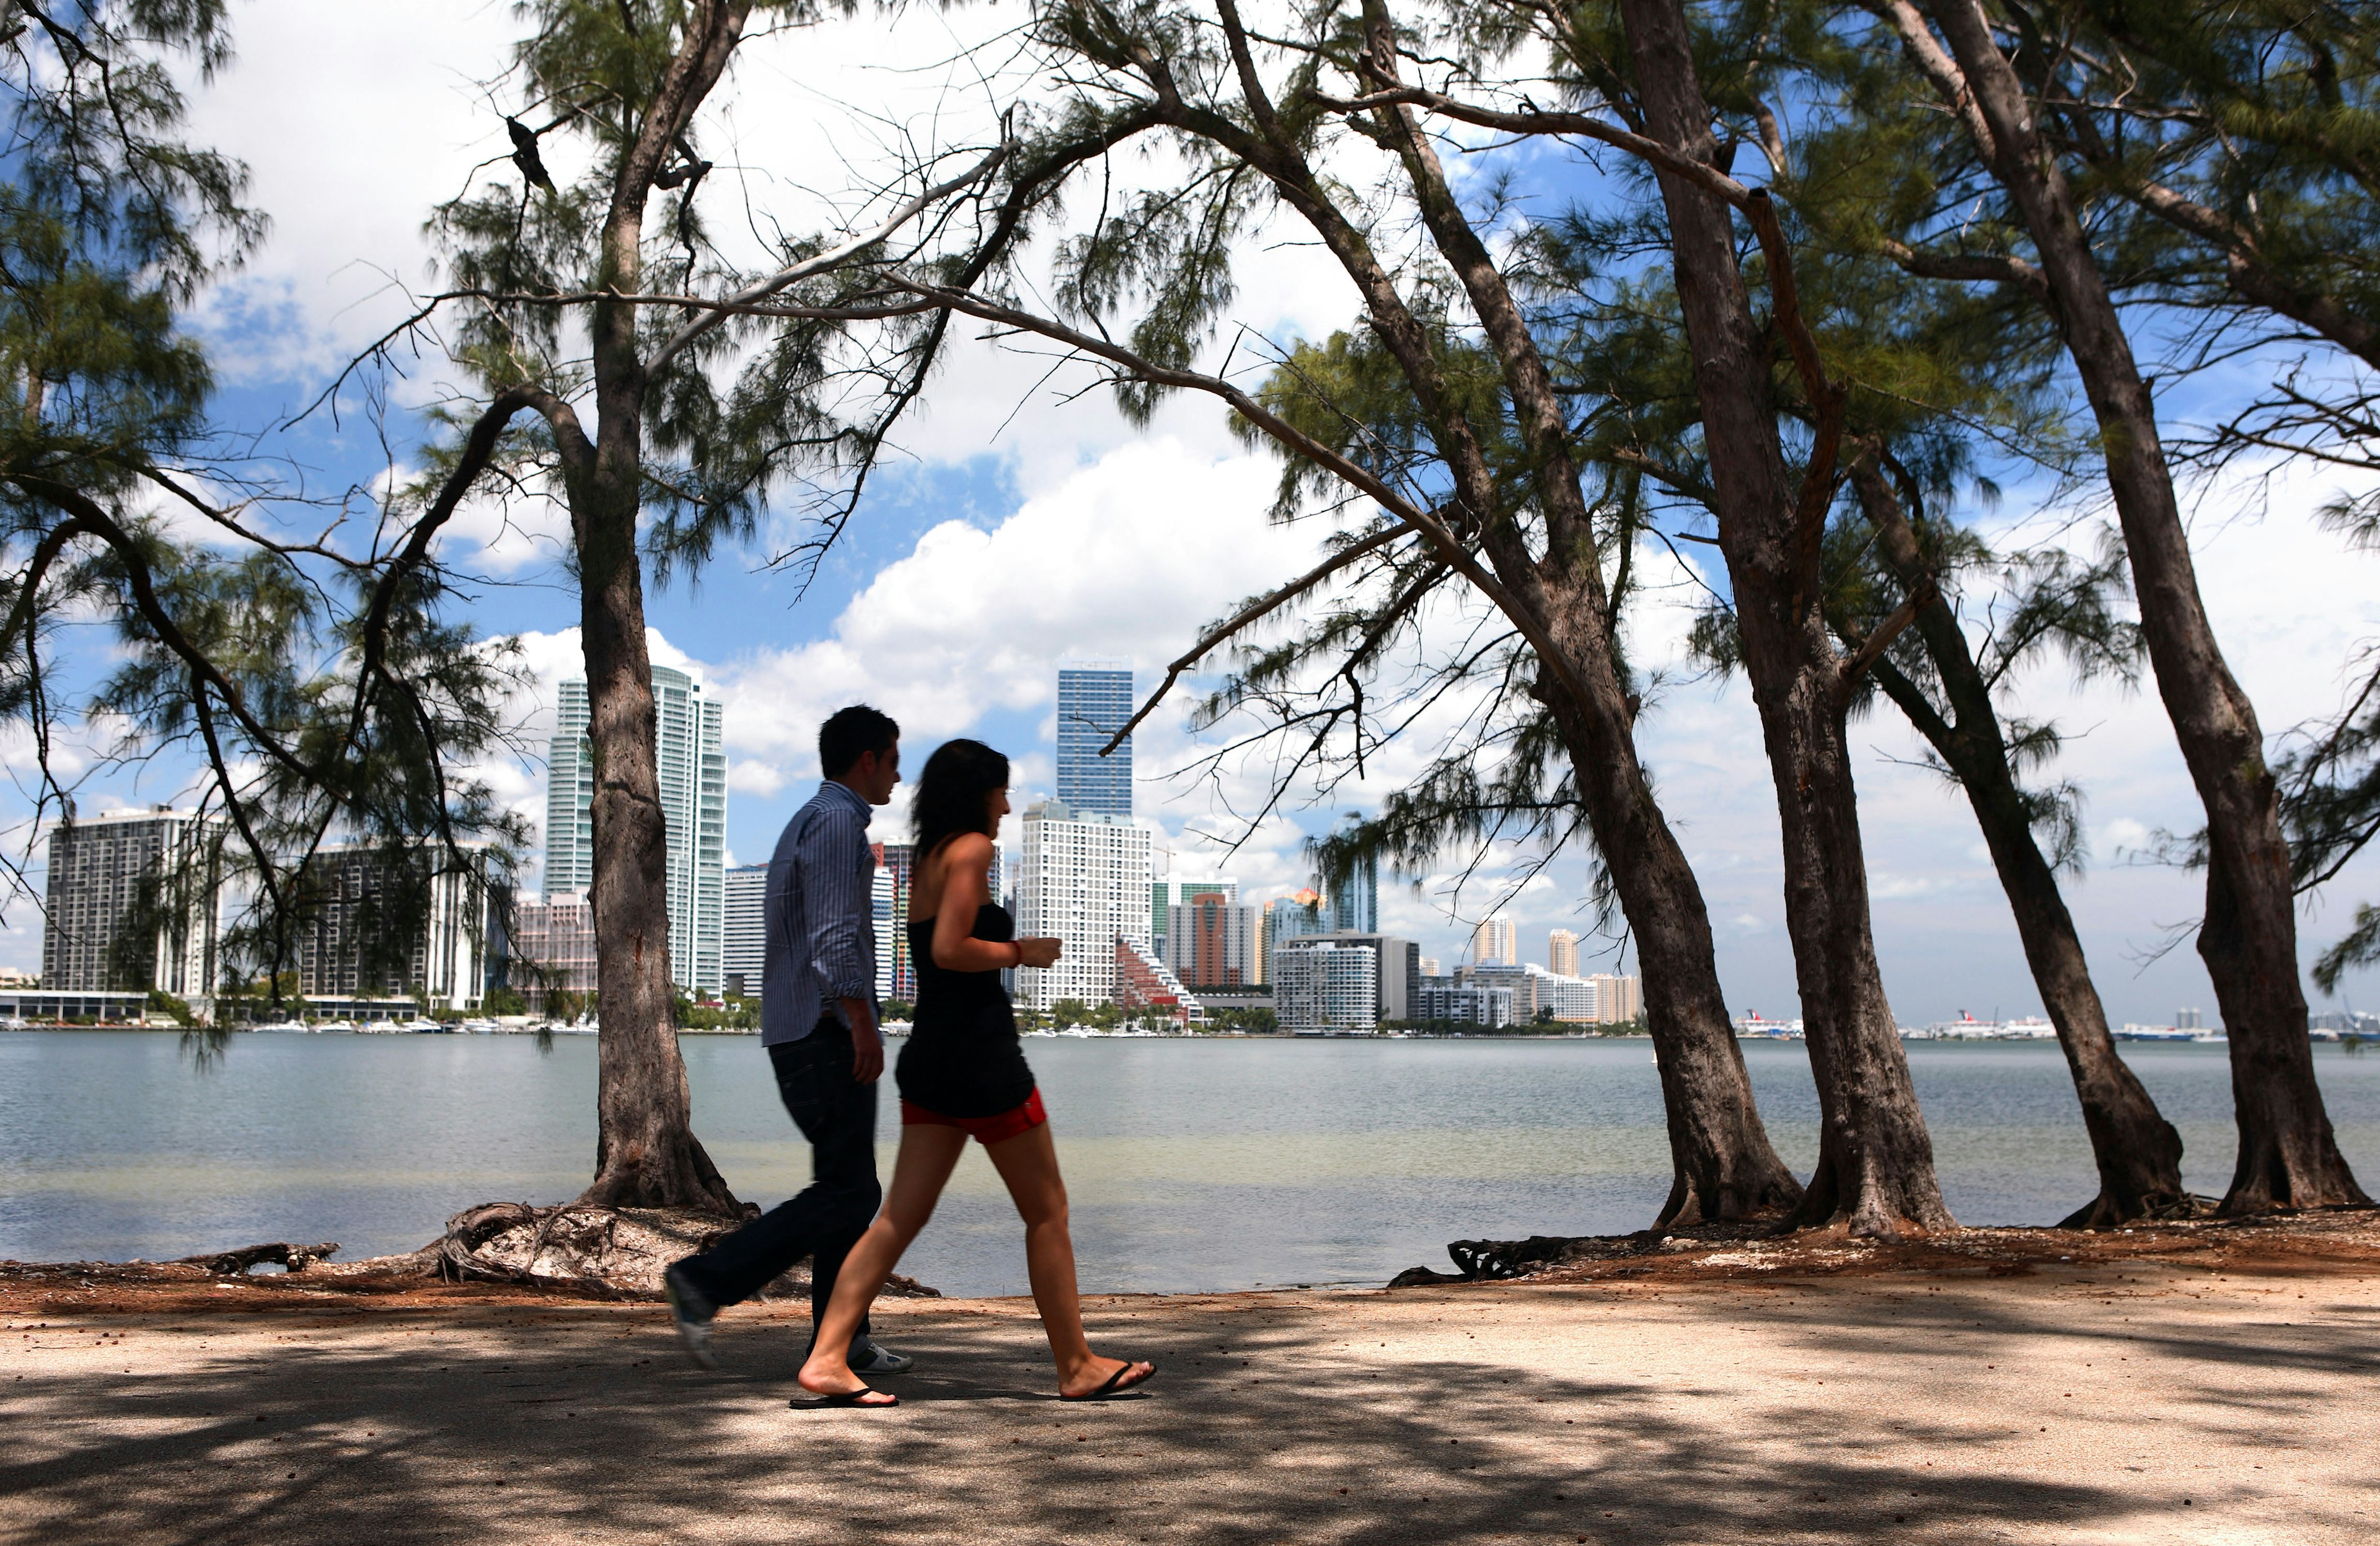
[2287, 1155]
[1875, 1162]
[2136, 1150]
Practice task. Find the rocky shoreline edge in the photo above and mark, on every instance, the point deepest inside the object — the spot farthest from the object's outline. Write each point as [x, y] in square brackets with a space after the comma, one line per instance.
[573, 1250]
[506, 1251]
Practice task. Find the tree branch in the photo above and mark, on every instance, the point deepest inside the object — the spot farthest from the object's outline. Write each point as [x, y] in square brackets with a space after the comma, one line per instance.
[1260, 607]
[1423, 522]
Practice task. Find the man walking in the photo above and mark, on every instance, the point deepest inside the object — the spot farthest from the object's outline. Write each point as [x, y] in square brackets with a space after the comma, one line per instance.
[818, 1022]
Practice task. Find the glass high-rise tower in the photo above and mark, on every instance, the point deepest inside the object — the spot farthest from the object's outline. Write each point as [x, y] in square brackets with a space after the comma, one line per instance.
[693, 768]
[1094, 701]
[1355, 900]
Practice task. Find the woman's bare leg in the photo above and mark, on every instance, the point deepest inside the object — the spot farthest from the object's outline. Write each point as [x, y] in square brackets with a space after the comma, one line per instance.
[1029, 1164]
[928, 1153]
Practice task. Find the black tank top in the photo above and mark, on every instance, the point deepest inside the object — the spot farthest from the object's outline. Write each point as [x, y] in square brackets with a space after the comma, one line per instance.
[963, 1056]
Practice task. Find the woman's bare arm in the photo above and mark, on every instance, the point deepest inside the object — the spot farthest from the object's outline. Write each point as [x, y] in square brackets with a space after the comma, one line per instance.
[965, 861]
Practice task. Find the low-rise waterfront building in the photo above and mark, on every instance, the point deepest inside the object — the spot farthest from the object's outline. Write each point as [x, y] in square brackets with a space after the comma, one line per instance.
[38, 1005]
[1442, 999]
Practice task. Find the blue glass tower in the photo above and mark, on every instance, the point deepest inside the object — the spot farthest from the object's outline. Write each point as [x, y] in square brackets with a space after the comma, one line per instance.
[1355, 901]
[1094, 702]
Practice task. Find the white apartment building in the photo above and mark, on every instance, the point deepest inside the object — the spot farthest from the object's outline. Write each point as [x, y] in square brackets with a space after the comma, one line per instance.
[346, 952]
[744, 947]
[1494, 943]
[693, 769]
[1323, 984]
[1084, 881]
[1442, 1001]
[157, 872]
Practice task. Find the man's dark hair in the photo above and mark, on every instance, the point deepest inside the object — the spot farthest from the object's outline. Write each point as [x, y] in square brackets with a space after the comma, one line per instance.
[851, 732]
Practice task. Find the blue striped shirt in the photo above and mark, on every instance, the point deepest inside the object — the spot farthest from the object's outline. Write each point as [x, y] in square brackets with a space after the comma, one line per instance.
[821, 915]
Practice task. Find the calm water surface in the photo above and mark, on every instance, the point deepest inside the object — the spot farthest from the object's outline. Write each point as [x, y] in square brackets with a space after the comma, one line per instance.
[1192, 1164]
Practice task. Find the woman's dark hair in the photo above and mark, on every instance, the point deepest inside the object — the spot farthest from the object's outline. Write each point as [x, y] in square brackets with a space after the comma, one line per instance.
[951, 790]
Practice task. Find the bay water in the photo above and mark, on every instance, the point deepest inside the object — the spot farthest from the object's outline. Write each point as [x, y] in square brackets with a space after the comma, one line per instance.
[1192, 1164]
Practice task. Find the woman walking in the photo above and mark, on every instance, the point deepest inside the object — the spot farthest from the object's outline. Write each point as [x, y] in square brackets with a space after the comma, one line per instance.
[962, 1074]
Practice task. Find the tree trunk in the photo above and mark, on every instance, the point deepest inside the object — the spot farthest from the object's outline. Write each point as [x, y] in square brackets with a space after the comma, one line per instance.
[2137, 1151]
[1876, 1163]
[645, 1153]
[2287, 1156]
[1722, 1163]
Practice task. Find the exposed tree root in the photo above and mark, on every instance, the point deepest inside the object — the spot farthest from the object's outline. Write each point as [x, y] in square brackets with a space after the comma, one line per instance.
[279, 1253]
[580, 1249]
[2327, 1239]
[2106, 1211]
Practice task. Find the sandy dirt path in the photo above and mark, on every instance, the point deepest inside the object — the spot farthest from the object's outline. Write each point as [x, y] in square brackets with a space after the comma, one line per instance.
[2087, 1403]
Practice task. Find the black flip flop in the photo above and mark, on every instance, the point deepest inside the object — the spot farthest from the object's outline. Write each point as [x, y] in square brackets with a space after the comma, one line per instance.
[845, 1398]
[1116, 1384]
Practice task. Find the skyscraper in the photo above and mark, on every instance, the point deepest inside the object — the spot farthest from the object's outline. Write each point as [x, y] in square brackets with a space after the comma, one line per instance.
[1494, 943]
[693, 769]
[880, 895]
[1561, 953]
[1164, 893]
[345, 951]
[1085, 881]
[1212, 941]
[1094, 702]
[1355, 898]
[1286, 918]
[744, 948]
[132, 903]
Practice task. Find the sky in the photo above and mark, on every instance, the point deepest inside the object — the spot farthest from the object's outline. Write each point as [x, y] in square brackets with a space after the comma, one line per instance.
[1020, 523]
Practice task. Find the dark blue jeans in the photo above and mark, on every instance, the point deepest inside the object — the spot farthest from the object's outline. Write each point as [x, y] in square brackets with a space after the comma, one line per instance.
[837, 1114]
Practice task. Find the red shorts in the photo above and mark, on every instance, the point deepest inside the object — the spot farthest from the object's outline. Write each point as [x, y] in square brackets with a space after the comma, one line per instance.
[983, 1129]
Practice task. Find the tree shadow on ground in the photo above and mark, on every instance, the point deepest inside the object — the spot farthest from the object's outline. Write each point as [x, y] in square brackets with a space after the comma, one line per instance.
[580, 1423]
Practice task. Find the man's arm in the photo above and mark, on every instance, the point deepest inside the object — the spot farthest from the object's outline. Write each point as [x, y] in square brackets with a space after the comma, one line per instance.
[835, 870]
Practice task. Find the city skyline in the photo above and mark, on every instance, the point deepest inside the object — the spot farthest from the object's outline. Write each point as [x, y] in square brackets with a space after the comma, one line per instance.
[986, 502]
